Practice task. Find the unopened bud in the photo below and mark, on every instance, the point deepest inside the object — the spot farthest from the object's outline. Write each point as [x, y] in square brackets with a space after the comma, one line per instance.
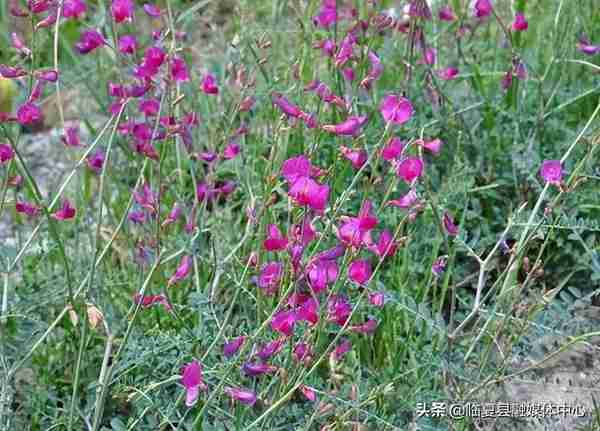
[73, 316]
[95, 316]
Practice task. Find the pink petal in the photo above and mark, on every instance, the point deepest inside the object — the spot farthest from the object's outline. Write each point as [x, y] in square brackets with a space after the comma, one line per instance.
[396, 109]
[308, 392]
[410, 169]
[244, 396]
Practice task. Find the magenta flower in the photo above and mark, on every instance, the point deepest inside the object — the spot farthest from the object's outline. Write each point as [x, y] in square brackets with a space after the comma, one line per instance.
[122, 10]
[275, 241]
[350, 127]
[73, 8]
[137, 90]
[89, 41]
[71, 137]
[368, 327]
[359, 271]
[308, 311]
[375, 71]
[449, 225]
[433, 146]
[327, 46]
[377, 299]
[244, 396]
[308, 392]
[254, 369]
[182, 271]
[174, 214]
[208, 156]
[204, 191]
[127, 44]
[421, 10]
[310, 120]
[585, 46]
[227, 187]
[396, 109]
[446, 13]
[209, 84]
[483, 8]
[115, 90]
[29, 113]
[520, 70]
[303, 233]
[233, 346]
[27, 208]
[338, 309]
[303, 190]
[152, 10]
[295, 168]
[270, 277]
[356, 231]
[448, 73]
[341, 349]
[66, 212]
[138, 217]
[321, 273]
[303, 352]
[179, 72]
[307, 192]
[46, 22]
[438, 266]
[271, 349]
[19, 45]
[49, 75]
[154, 57]
[286, 106]
[393, 149]
[327, 14]
[149, 107]
[147, 301]
[146, 198]
[39, 6]
[296, 299]
[146, 149]
[37, 90]
[357, 157]
[520, 23]
[6, 153]
[348, 73]
[193, 382]
[231, 151]
[346, 50]
[410, 169]
[429, 57]
[552, 172]
[11, 72]
[284, 322]
[406, 201]
[385, 247]
[295, 252]
[96, 161]
[506, 80]
[325, 93]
